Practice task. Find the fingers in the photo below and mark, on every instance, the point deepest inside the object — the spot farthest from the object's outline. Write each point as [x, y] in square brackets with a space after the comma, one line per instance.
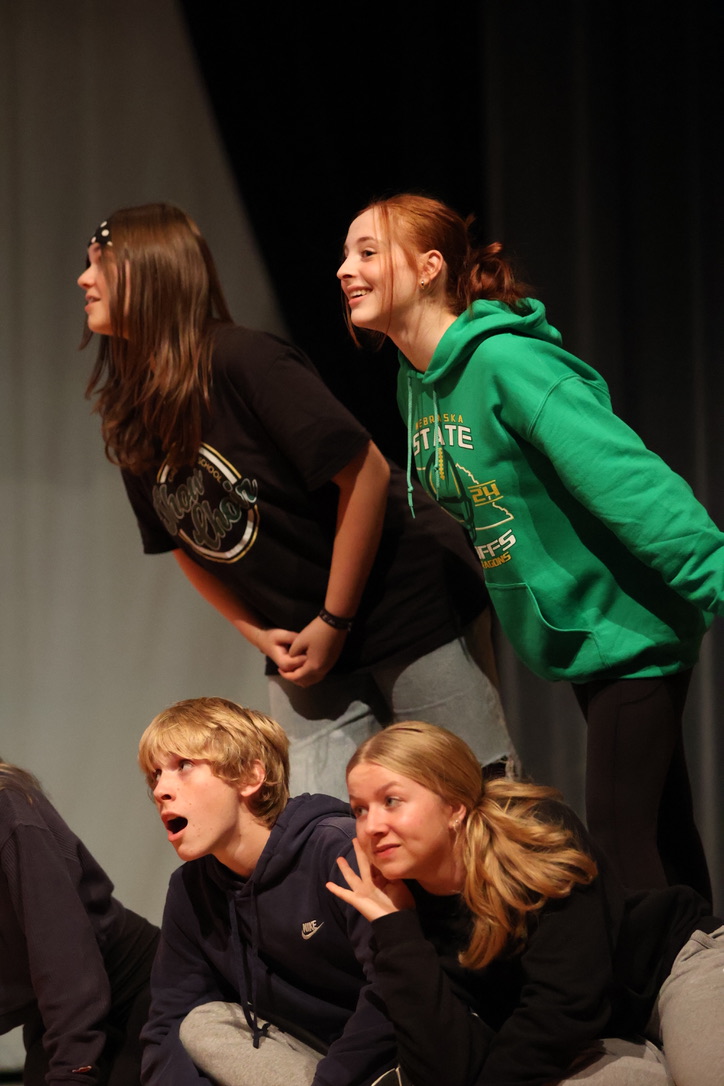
[362, 862]
[278, 640]
[298, 647]
[355, 894]
[278, 648]
[350, 877]
[289, 667]
[340, 892]
[283, 637]
[304, 677]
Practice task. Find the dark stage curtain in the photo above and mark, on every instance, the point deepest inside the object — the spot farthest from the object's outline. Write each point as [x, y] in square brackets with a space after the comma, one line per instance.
[587, 138]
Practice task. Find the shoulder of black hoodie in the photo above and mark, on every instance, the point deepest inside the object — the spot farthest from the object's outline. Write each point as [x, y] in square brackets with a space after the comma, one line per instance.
[57, 909]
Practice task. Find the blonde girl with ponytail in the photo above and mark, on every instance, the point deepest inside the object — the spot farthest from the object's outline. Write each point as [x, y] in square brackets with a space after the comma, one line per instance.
[505, 949]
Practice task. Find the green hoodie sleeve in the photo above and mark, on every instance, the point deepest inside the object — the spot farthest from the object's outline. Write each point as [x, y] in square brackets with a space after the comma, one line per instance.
[609, 470]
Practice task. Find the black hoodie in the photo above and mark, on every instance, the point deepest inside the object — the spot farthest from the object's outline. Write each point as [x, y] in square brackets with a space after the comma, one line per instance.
[69, 950]
[591, 966]
[280, 944]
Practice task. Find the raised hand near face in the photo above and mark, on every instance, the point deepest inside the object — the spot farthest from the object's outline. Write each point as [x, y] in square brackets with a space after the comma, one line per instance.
[370, 892]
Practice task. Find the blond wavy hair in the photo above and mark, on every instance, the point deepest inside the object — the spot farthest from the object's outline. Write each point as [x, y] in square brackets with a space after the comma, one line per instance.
[231, 739]
[517, 853]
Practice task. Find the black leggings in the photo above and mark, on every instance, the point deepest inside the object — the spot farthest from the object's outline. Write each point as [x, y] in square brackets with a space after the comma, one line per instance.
[638, 798]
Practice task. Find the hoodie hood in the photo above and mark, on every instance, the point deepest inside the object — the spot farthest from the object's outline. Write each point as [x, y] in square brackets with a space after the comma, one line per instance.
[516, 438]
[479, 322]
[290, 833]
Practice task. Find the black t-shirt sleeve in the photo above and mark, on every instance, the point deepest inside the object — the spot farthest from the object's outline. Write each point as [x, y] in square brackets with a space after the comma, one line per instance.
[155, 538]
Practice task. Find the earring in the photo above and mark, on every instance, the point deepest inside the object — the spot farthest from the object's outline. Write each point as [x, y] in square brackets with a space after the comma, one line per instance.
[422, 284]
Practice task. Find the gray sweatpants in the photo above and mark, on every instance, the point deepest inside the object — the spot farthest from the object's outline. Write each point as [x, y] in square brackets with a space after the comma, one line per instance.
[686, 1028]
[449, 686]
[220, 1043]
[685, 1046]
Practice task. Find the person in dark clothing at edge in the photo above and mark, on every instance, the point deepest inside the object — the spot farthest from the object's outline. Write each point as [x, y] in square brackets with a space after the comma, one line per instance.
[280, 510]
[74, 962]
[603, 568]
[262, 978]
[504, 947]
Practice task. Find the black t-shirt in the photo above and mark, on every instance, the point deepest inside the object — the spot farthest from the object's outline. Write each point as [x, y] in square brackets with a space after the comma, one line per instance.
[259, 509]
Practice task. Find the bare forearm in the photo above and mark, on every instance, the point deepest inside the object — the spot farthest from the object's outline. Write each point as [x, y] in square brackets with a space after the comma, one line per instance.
[226, 602]
[272, 642]
[363, 487]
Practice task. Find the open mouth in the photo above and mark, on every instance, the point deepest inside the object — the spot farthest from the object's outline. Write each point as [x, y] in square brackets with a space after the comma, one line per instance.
[356, 295]
[175, 825]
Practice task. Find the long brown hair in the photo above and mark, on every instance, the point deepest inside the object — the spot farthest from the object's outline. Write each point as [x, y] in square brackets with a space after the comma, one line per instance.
[515, 853]
[420, 223]
[152, 376]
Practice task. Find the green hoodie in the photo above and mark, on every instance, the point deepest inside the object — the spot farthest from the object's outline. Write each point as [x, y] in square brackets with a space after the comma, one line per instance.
[599, 560]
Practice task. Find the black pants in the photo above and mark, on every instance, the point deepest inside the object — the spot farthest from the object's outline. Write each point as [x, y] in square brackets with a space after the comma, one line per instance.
[638, 797]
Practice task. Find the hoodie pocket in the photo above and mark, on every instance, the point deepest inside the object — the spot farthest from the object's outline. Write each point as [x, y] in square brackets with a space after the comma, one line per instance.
[548, 651]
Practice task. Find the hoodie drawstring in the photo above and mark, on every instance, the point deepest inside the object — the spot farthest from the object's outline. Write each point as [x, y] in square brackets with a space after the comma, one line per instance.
[410, 501]
[437, 449]
[248, 1005]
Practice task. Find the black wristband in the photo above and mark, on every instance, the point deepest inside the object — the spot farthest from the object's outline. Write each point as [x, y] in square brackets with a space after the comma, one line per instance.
[335, 621]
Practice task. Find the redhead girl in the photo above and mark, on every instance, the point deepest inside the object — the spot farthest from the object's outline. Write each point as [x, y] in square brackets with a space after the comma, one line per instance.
[602, 567]
[506, 951]
[278, 507]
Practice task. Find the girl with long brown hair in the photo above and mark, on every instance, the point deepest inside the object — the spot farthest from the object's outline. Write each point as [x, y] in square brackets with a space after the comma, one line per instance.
[279, 508]
[505, 949]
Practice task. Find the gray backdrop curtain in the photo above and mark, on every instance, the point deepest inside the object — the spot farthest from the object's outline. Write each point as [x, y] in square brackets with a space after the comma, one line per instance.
[100, 107]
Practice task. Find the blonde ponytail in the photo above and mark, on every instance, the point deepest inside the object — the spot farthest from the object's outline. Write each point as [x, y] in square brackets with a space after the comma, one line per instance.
[515, 860]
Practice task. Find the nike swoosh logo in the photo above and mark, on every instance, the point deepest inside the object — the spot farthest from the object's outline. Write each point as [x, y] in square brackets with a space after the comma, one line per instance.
[314, 930]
